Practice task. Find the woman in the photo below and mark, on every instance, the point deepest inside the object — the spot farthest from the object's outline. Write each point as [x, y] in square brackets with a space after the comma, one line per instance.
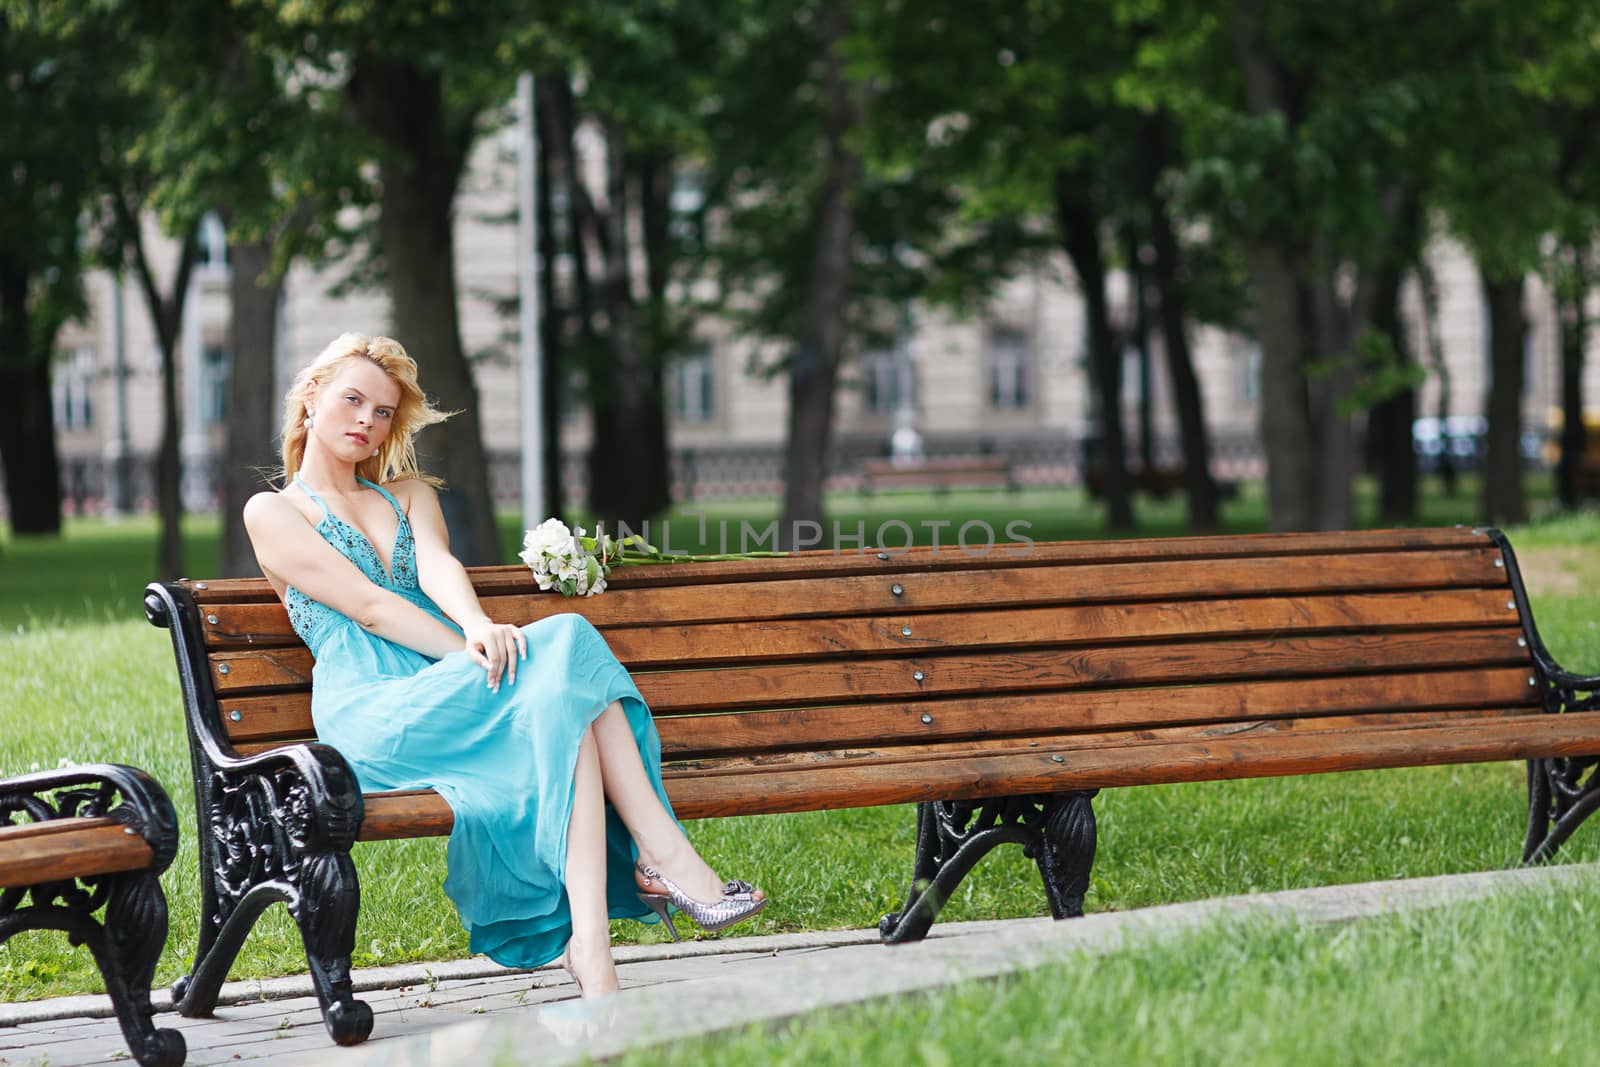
[417, 688]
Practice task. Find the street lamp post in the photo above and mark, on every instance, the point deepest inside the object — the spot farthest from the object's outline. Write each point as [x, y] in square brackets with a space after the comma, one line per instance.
[533, 487]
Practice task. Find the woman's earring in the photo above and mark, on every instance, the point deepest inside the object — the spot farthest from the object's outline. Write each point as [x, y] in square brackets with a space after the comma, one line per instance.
[374, 453]
[308, 418]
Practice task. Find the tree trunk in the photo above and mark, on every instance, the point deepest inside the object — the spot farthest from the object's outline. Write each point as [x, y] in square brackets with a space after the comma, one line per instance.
[1389, 425]
[1338, 324]
[1389, 421]
[1080, 233]
[814, 366]
[1201, 488]
[570, 311]
[166, 312]
[169, 469]
[551, 335]
[253, 408]
[405, 107]
[1573, 319]
[1433, 344]
[27, 424]
[628, 456]
[1292, 460]
[1502, 468]
[1283, 313]
[1141, 346]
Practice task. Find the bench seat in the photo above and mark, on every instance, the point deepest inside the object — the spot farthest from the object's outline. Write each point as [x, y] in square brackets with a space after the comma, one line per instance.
[940, 473]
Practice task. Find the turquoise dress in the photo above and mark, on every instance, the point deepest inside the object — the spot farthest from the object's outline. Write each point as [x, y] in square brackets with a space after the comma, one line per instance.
[503, 761]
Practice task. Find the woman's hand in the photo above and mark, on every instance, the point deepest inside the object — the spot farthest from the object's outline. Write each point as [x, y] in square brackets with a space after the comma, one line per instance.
[496, 647]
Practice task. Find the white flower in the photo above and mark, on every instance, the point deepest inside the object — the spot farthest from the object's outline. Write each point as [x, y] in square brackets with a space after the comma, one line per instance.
[549, 539]
[559, 559]
[568, 567]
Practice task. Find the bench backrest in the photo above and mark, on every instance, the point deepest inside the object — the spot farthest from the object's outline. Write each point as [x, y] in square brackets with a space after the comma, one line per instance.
[829, 680]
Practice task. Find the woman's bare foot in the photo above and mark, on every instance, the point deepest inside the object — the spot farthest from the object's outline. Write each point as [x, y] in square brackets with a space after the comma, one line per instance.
[591, 969]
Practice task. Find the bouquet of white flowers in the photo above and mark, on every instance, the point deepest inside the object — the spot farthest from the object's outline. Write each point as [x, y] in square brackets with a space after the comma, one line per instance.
[560, 560]
[576, 564]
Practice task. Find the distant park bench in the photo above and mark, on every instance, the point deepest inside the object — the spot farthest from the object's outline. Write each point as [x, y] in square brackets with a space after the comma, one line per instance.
[1158, 481]
[77, 839]
[939, 474]
[1000, 691]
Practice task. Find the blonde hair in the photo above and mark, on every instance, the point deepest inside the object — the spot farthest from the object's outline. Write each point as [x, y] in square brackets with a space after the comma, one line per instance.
[397, 457]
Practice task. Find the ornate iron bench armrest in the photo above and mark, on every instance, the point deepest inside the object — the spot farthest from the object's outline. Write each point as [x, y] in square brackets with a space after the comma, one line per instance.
[274, 826]
[91, 790]
[278, 826]
[311, 790]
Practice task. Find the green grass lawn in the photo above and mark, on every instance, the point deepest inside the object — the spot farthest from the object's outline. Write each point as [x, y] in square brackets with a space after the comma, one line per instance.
[1459, 985]
[84, 678]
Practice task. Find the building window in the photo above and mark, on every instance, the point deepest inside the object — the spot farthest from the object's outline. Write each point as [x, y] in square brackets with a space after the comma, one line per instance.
[216, 368]
[72, 391]
[1250, 387]
[886, 380]
[685, 203]
[213, 239]
[694, 386]
[1133, 382]
[573, 397]
[1006, 365]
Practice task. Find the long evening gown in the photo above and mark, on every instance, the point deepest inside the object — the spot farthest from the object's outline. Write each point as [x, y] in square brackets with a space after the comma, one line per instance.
[503, 761]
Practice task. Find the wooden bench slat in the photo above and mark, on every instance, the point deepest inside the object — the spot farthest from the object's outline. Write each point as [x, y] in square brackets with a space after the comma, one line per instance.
[268, 721]
[247, 625]
[1073, 744]
[32, 854]
[1028, 715]
[1069, 669]
[406, 813]
[1054, 627]
[491, 581]
[1257, 755]
[640, 648]
[265, 668]
[813, 788]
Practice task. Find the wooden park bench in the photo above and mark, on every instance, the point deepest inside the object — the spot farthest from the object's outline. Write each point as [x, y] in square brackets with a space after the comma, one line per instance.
[940, 474]
[999, 690]
[1159, 482]
[77, 839]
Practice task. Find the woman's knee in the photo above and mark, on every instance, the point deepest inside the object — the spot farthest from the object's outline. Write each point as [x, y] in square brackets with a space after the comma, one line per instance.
[567, 624]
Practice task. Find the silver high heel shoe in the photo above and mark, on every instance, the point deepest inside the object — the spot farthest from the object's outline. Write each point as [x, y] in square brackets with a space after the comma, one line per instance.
[737, 903]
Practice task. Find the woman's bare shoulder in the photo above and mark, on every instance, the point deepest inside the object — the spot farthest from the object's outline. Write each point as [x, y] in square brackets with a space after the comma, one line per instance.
[410, 491]
[274, 506]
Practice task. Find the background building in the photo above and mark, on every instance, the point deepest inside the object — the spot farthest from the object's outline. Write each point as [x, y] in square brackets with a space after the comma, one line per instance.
[1011, 379]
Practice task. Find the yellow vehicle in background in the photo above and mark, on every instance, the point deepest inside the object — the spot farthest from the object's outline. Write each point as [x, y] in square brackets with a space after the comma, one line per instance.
[1589, 468]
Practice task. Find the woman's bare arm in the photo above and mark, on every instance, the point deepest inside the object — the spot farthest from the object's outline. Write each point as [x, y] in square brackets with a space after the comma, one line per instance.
[290, 550]
[496, 646]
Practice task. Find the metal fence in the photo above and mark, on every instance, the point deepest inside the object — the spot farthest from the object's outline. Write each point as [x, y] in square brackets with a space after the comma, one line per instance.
[703, 473]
